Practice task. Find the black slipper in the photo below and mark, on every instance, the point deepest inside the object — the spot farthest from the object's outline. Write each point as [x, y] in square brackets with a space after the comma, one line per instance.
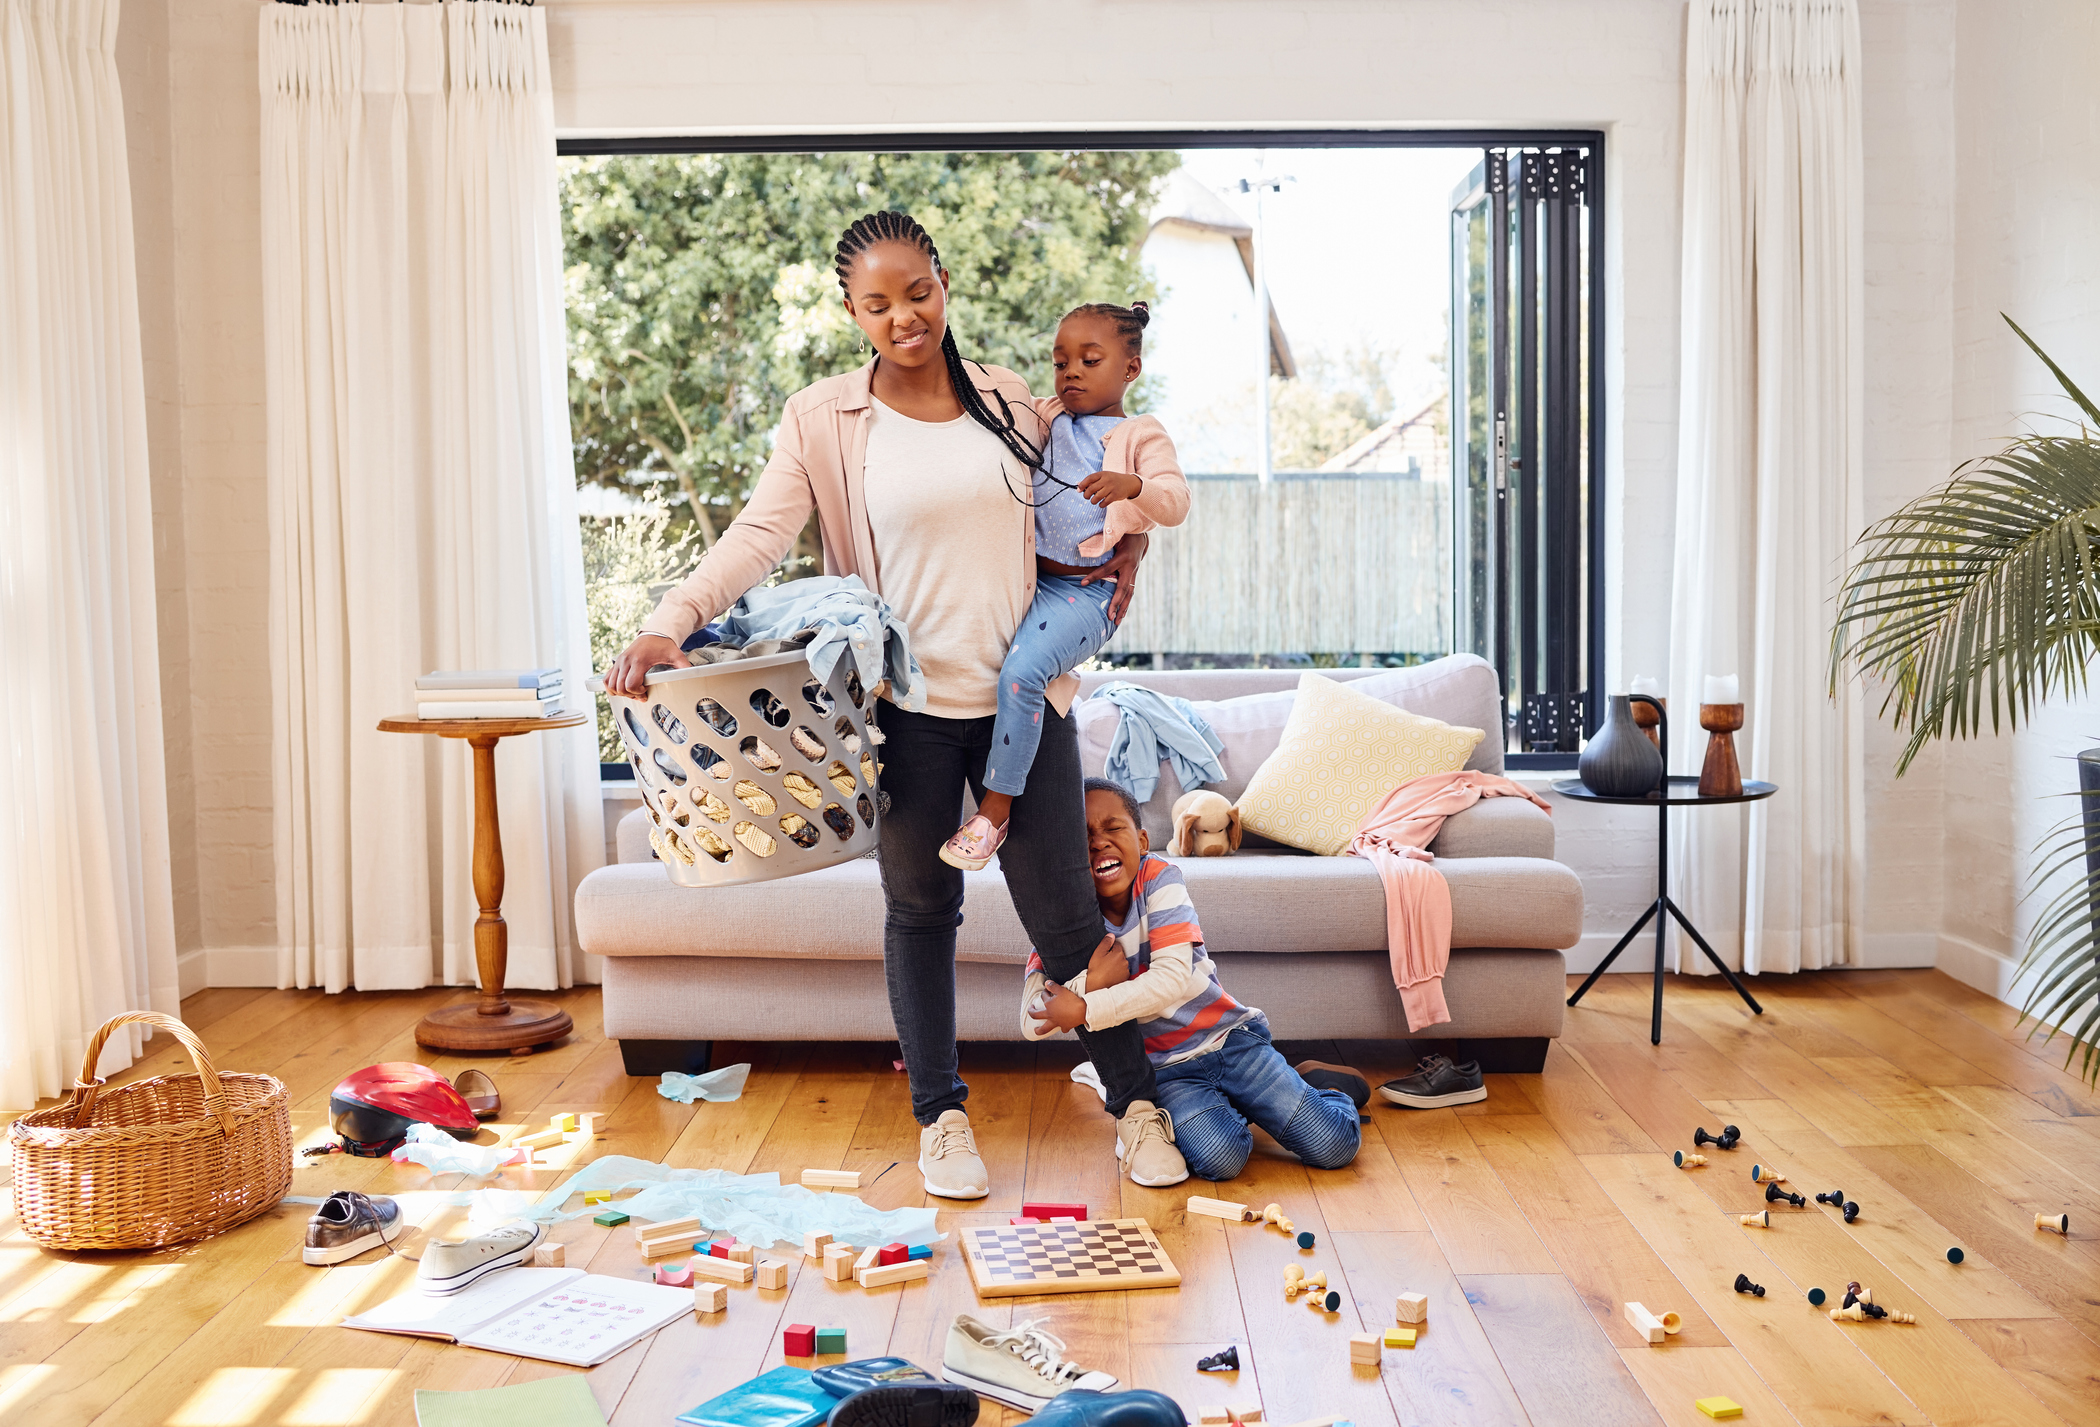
[1322, 1076]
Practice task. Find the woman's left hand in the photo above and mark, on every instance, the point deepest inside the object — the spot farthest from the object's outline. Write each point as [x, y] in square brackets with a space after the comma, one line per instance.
[1122, 567]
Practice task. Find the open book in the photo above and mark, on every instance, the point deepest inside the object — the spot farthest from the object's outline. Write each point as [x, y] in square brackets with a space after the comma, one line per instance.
[563, 1315]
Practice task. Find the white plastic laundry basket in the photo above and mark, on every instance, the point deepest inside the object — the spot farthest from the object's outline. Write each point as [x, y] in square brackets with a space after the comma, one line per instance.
[752, 770]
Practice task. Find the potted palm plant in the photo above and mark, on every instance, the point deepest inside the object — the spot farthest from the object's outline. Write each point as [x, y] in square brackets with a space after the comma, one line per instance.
[1974, 603]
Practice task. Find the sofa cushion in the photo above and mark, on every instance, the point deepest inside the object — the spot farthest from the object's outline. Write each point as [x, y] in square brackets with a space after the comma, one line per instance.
[1341, 753]
[1492, 827]
[1252, 902]
[1248, 708]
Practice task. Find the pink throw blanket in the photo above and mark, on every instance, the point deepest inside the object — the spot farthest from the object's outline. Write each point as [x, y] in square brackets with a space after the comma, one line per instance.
[1395, 837]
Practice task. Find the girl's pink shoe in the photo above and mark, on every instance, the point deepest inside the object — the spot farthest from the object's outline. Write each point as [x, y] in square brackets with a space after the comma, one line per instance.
[973, 844]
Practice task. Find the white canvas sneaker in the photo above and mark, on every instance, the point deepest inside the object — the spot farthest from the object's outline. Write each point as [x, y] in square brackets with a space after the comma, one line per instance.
[948, 1159]
[447, 1267]
[1023, 1366]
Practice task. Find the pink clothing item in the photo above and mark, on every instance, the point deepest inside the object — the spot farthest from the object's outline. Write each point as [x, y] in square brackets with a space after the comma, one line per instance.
[1138, 446]
[1395, 836]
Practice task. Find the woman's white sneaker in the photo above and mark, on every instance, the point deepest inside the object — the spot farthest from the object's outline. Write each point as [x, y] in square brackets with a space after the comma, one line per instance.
[1022, 1367]
[448, 1267]
[948, 1159]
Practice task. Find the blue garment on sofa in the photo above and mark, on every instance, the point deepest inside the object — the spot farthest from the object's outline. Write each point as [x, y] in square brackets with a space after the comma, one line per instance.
[1152, 728]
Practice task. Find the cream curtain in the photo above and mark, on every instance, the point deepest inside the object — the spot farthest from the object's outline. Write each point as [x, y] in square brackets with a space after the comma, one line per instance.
[423, 502]
[86, 917]
[1769, 471]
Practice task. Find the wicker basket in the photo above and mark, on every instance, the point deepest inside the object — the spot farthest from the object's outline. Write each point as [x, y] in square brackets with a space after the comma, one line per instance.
[752, 770]
[155, 1162]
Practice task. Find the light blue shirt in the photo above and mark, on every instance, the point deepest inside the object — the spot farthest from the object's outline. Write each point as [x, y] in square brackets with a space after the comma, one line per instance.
[1064, 517]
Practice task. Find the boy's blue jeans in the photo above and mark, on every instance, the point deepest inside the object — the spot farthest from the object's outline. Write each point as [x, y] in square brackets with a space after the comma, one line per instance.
[1213, 1097]
[1066, 624]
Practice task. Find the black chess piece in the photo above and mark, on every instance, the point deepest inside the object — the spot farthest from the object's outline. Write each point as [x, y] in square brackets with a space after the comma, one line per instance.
[1873, 1310]
[1223, 1360]
[1702, 1139]
[1774, 1194]
[1851, 1294]
[1816, 1297]
[1835, 1199]
[1851, 1211]
[1744, 1285]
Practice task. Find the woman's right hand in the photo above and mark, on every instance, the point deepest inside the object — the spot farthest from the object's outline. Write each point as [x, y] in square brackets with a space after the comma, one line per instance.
[629, 674]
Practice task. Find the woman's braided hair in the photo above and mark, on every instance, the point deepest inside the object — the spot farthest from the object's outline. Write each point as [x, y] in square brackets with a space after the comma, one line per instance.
[890, 226]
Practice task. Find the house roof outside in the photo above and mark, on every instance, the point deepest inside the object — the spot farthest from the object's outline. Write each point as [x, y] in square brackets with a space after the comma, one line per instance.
[1189, 206]
[1416, 443]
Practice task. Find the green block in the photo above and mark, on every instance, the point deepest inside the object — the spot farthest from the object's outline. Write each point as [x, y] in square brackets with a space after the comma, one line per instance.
[831, 1340]
[611, 1219]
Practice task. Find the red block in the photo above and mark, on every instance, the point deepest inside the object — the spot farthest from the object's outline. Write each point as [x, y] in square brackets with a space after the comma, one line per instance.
[719, 1249]
[800, 1340]
[1054, 1211]
[891, 1253]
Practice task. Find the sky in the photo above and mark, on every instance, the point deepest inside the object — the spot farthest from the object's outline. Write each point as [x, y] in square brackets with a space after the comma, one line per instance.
[1359, 249]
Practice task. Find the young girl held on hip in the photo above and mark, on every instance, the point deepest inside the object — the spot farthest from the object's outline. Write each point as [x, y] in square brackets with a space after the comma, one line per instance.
[1103, 475]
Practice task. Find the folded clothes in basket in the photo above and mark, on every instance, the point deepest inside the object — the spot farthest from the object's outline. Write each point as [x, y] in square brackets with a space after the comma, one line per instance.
[839, 616]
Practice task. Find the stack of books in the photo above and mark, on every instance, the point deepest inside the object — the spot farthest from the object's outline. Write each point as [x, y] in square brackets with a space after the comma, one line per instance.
[489, 693]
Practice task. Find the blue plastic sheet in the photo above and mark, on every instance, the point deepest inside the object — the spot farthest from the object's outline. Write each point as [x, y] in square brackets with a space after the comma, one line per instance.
[755, 1208]
[717, 1085]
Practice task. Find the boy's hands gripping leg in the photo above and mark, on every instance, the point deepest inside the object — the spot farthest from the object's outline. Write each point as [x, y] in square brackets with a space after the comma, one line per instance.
[1059, 1008]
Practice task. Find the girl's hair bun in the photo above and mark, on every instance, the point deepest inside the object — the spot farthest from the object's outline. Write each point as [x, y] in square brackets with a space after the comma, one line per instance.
[1142, 311]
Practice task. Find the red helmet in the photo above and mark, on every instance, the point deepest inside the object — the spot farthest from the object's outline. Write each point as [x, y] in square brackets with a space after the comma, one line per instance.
[373, 1108]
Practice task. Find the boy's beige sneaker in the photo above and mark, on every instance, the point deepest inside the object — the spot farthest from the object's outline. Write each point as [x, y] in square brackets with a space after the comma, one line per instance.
[1145, 1145]
[1031, 1028]
[948, 1159]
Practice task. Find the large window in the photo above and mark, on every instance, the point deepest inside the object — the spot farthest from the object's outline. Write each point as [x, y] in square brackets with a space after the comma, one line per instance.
[1342, 325]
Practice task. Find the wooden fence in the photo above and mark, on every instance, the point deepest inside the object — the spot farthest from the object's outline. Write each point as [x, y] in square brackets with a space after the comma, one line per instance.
[1329, 564]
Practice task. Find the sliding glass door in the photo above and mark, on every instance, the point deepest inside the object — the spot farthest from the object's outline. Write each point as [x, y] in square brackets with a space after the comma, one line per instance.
[1525, 533]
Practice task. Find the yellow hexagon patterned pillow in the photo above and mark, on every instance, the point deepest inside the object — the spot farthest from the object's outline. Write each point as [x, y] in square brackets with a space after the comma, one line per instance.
[1340, 754]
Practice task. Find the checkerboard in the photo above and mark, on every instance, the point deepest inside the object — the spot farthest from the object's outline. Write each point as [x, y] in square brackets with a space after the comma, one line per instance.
[1091, 1256]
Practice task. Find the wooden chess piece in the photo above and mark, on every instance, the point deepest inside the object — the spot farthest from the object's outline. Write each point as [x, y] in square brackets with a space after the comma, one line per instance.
[1744, 1285]
[1762, 1219]
[1764, 1174]
[2054, 1223]
[1689, 1161]
[1721, 776]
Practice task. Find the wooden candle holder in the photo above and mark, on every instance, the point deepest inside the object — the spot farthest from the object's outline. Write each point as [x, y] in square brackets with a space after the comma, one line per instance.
[1721, 776]
[1645, 718]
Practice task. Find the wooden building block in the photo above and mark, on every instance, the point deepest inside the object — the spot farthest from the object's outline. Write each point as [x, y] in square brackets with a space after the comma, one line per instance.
[869, 1258]
[800, 1340]
[1247, 1414]
[920, 1251]
[667, 1229]
[882, 1276]
[743, 1253]
[672, 1276]
[1213, 1417]
[611, 1219]
[596, 1196]
[1219, 1209]
[814, 1244]
[831, 1340]
[892, 1253]
[1017, 1219]
[1644, 1323]
[1363, 1348]
[1719, 1407]
[564, 1122]
[718, 1248]
[1412, 1308]
[831, 1179]
[722, 1270]
[770, 1273]
[664, 1248]
[540, 1141]
[1053, 1211]
[1399, 1337]
[589, 1121]
[550, 1256]
[838, 1263]
[710, 1298]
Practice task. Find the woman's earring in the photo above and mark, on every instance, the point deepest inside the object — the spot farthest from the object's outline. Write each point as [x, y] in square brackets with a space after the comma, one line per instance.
[864, 343]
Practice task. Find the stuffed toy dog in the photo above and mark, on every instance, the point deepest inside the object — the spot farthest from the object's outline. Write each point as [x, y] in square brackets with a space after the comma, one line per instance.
[1205, 825]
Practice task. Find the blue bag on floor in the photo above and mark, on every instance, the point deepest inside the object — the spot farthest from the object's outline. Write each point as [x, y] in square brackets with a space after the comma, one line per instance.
[784, 1397]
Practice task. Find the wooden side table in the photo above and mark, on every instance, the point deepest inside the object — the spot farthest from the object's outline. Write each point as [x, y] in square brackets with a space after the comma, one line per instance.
[495, 1021]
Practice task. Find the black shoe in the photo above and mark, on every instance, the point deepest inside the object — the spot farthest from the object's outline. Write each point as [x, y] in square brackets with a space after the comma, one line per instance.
[1437, 1082]
[1083, 1407]
[907, 1404]
[1322, 1076]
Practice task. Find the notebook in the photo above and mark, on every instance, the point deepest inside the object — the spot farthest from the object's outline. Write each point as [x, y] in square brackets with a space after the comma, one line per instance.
[784, 1397]
[562, 1315]
[550, 1402]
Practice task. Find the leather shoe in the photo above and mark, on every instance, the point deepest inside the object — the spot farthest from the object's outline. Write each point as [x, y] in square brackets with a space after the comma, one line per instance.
[1083, 1407]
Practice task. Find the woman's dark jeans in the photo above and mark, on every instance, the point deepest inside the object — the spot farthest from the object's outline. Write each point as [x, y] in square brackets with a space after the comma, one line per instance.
[926, 763]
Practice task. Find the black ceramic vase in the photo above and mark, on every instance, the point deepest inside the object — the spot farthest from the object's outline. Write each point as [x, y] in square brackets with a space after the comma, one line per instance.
[1619, 761]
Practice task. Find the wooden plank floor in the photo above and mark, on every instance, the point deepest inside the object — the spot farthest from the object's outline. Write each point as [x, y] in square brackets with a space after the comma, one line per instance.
[1527, 1220]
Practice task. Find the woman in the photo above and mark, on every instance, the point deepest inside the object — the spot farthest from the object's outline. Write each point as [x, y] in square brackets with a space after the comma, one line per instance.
[911, 463]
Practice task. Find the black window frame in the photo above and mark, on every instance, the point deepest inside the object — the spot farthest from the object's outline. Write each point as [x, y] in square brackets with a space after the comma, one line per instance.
[1592, 618]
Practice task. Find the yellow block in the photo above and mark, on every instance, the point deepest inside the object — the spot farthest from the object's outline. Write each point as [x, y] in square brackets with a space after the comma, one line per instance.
[1399, 1337]
[1719, 1407]
[565, 1123]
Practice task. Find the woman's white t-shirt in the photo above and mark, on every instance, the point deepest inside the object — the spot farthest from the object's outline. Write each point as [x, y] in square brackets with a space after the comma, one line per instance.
[951, 550]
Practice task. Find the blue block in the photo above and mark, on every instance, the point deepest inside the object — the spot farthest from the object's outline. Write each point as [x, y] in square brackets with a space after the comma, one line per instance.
[919, 1251]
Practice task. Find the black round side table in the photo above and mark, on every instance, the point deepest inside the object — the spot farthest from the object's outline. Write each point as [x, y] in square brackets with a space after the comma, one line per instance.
[1682, 792]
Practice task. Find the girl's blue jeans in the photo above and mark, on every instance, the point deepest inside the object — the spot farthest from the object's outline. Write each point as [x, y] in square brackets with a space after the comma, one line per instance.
[1066, 624]
[1213, 1097]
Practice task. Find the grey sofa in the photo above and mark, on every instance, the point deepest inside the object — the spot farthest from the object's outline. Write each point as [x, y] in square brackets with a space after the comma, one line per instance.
[1302, 937]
